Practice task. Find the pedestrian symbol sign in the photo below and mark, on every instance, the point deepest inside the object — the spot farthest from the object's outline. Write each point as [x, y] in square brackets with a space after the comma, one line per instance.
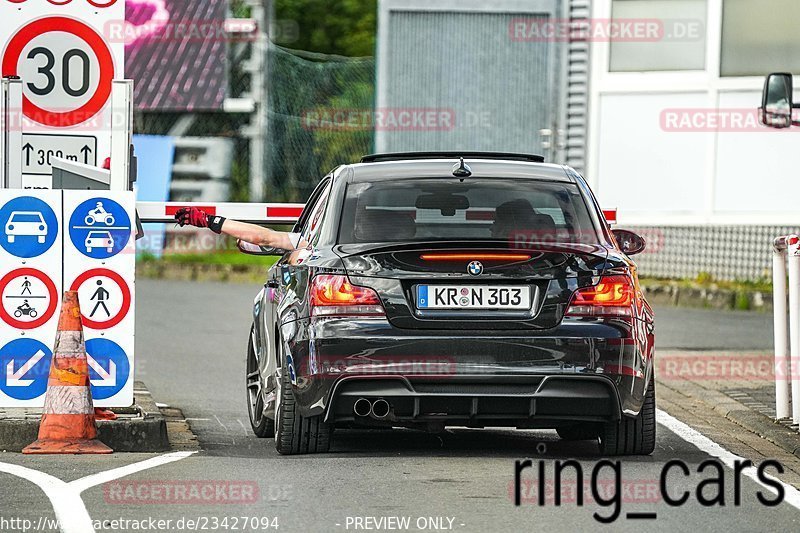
[29, 298]
[25, 367]
[29, 227]
[105, 298]
[108, 368]
[100, 228]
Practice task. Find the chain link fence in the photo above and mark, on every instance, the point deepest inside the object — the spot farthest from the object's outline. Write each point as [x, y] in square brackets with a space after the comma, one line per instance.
[729, 253]
[320, 115]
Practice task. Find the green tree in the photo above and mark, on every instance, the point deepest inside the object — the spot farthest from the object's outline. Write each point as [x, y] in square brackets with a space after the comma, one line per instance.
[343, 27]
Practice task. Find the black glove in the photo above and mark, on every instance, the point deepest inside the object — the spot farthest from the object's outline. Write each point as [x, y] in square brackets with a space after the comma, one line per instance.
[192, 216]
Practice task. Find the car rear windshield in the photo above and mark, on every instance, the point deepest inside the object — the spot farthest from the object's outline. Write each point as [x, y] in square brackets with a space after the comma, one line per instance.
[515, 211]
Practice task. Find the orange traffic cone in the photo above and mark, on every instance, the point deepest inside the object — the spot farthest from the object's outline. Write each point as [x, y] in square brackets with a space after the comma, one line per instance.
[68, 423]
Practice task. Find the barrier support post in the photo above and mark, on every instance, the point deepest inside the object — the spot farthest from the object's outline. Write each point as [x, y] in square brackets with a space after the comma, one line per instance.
[794, 322]
[781, 333]
[121, 134]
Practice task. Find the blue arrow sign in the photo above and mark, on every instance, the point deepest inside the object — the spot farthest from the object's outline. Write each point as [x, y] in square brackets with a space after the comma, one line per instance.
[109, 368]
[28, 227]
[24, 368]
[100, 228]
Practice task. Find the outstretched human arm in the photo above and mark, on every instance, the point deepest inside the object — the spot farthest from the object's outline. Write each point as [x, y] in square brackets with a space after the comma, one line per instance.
[251, 233]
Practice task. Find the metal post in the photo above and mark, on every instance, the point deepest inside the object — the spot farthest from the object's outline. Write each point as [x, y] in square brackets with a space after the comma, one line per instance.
[11, 135]
[781, 334]
[121, 134]
[3, 134]
[793, 242]
[262, 12]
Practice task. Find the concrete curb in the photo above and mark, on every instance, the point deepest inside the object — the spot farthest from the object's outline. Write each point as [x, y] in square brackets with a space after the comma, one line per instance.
[753, 421]
[141, 428]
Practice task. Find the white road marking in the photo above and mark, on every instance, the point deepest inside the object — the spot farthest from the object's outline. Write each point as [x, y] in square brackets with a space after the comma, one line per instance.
[67, 503]
[66, 497]
[692, 436]
[109, 475]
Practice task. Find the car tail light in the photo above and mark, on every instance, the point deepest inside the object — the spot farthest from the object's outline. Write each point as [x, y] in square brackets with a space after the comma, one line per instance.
[612, 296]
[334, 295]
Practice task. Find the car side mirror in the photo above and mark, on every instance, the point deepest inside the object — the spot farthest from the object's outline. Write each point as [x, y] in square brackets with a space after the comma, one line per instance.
[629, 242]
[776, 101]
[254, 249]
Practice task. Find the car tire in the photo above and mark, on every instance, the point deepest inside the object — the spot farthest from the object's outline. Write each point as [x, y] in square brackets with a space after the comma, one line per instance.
[294, 433]
[262, 425]
[578, 432]
[632, 436]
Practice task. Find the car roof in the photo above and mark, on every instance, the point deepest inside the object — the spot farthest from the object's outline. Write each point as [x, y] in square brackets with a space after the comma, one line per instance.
[436, 167]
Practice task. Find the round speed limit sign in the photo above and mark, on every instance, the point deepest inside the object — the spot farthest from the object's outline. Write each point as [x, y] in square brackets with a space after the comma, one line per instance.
[66, 67]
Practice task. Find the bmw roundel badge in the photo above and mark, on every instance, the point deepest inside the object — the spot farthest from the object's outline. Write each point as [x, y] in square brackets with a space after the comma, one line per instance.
[475, 268]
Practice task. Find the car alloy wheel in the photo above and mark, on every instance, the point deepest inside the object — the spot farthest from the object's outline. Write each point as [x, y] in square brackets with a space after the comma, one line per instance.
[262, 426]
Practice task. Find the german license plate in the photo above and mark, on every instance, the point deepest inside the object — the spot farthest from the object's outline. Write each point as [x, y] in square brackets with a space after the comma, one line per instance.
[503, 297]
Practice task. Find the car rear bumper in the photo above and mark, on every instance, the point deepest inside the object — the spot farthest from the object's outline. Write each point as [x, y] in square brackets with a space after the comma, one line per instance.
[469, 400]
[584, 370]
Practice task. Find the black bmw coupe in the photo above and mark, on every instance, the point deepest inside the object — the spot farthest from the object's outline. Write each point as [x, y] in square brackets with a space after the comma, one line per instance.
[454, 289]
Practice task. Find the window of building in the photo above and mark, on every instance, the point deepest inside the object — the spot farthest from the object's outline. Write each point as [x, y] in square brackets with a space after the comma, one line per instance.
[658, 35]
[759, 37]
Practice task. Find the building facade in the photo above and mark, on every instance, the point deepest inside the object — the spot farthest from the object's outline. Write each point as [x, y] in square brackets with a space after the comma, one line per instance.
[654, 101]
[674, 140]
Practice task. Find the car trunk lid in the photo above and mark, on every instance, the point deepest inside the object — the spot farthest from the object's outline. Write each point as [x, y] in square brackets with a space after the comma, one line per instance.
[489, 277]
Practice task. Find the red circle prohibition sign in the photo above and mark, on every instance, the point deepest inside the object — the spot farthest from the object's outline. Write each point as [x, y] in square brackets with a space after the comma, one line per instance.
[63, 24]
[123, 287]
[51, 307]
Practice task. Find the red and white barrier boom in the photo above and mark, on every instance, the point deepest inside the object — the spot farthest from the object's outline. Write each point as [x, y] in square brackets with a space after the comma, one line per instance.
[255, 213]
[161, 212]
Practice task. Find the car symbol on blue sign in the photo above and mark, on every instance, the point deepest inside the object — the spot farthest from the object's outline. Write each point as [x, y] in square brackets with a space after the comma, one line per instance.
[29, 226]
[100, 228]
[24, 368]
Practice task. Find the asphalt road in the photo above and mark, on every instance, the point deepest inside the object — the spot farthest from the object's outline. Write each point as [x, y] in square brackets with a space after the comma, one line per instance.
[190, 345]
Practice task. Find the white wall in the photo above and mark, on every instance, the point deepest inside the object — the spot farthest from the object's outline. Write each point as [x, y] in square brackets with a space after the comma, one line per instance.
[657, 174]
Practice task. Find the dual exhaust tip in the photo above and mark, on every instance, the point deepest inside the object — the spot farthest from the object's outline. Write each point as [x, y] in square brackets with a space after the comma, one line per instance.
[378, 409]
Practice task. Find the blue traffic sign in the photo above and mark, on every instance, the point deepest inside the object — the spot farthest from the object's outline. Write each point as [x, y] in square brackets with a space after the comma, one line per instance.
[29, 226]
[24, 368]
[109, 368]
[100, 228]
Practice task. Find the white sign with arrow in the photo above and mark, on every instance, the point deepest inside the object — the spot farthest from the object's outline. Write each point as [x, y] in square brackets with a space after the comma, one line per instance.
[107, 379]
[14, 378]
[38, 151]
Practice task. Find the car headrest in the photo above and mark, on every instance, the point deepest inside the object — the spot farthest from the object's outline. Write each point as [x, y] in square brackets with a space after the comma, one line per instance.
[376, 225]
